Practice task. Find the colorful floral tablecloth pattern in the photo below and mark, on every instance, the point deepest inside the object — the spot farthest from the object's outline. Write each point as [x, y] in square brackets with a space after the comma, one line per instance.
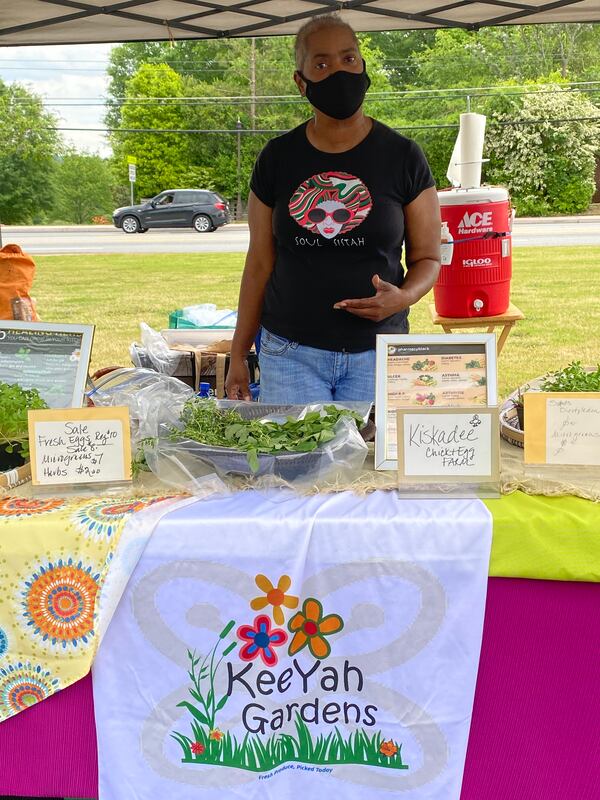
[54, 558]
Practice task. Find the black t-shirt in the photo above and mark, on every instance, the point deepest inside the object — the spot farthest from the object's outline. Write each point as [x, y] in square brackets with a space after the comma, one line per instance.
[337, 220]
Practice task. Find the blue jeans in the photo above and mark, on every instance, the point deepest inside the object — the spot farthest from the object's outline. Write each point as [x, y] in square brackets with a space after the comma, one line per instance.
[297, 374]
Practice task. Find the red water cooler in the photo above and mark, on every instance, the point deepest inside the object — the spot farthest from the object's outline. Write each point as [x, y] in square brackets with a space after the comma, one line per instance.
[474, 279]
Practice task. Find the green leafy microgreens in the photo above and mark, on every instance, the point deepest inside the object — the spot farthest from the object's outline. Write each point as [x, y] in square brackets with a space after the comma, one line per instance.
[205, 423]
[573, 378]
[138, 462]
[14, 404]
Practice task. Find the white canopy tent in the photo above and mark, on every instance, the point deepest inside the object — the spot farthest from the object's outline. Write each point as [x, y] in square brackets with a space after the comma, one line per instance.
[37, 22]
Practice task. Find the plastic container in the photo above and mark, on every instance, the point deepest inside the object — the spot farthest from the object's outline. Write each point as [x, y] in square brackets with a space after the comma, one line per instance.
[196, 336]
[343, 455]
[204, 390]
[474, 279]
[177, 320]
[447, 246]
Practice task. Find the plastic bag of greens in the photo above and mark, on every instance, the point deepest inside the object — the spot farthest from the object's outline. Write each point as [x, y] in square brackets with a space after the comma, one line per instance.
[272, 445]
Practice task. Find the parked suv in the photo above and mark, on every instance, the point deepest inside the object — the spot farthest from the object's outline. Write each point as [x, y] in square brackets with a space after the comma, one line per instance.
[175, 208]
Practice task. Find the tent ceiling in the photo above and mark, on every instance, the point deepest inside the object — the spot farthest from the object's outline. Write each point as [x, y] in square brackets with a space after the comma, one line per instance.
[27, 22]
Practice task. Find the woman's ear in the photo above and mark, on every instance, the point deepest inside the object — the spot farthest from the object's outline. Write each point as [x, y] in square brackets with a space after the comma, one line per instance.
[300, 83]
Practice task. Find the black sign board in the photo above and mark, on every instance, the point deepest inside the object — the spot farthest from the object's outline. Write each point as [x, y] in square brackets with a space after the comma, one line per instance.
[52, 358]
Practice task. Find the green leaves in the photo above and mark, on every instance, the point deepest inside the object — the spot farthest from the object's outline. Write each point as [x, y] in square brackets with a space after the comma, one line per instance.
[14, 404]
[573, 378]
[205, 423]
[226, 629]
[29, 146]
[253, 460]
[221, 703]
[195, 712]
[229, 649]
[83, 187]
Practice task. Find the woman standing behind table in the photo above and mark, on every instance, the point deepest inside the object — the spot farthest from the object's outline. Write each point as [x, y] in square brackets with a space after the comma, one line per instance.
[331, 204]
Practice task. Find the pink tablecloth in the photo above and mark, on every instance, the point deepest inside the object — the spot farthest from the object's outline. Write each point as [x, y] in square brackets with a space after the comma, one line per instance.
[534, 734]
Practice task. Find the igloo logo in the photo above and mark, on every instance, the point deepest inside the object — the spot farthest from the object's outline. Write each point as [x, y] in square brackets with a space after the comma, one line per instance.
[475, 222]
[477, 262]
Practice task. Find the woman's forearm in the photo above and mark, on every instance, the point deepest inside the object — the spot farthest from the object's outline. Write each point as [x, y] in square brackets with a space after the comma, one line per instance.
[257, 271]
[419, 279]
[252, 292]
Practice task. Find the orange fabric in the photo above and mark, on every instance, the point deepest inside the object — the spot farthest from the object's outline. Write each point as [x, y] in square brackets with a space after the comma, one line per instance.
[16, 277]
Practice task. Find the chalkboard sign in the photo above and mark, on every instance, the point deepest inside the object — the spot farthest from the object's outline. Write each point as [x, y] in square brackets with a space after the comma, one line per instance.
[52, 358]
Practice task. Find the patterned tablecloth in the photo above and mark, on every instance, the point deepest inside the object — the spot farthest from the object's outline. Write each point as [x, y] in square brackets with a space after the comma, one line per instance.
[55, 555]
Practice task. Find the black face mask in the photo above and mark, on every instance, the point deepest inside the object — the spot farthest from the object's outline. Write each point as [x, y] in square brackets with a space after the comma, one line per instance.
[340, 95]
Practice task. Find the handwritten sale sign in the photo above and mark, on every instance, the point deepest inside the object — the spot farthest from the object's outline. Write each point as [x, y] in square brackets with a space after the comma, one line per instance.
[88, 445]
[448, 445]
[562, 428]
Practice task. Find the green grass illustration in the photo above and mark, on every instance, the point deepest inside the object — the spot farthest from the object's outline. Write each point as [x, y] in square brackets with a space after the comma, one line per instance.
[258, 755]
[208, 745]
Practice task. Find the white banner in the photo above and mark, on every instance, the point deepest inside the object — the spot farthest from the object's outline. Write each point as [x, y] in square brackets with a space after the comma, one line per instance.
[276, 646]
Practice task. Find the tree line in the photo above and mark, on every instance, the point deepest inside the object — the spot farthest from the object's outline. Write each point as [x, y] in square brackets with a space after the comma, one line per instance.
[196, 114]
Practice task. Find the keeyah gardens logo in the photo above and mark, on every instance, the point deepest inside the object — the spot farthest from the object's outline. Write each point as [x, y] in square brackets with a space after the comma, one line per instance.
[258, 659]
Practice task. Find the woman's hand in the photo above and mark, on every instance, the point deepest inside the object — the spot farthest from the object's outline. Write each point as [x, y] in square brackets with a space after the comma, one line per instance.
[237, 383]
[387, 300]
[422, 228]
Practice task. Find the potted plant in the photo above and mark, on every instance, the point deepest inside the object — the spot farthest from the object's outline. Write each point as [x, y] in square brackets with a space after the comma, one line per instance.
[573, 378]
[14, 405]
[519, 404]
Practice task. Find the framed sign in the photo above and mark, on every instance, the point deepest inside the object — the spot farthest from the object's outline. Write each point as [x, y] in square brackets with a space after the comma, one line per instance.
[429, 371]
[441, 447]
[562, 428]
[52, 358]
[80, 445]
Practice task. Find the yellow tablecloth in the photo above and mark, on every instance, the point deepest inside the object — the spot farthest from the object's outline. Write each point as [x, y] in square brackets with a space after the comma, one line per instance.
[552, 538]
[54, 558]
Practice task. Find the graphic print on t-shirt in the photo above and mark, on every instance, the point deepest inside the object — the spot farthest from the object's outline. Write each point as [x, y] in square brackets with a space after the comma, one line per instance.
[330, 203]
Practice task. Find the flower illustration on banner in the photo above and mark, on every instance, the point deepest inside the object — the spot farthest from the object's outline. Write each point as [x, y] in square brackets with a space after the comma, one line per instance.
[266, 743]
[75, 355]
[3, 643]
[388, 749]
[58, 602]
[310, 627]
[261, 640]
[274, 596]
[20, 507]
[23, 685]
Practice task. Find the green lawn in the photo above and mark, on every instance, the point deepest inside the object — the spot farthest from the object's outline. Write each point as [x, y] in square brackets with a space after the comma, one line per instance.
[556, 288]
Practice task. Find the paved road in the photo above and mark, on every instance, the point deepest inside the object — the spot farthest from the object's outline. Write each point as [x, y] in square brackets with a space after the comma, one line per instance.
[234, 238]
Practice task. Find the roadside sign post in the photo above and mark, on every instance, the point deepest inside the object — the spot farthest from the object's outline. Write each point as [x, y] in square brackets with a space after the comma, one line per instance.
[132, 163]
[132, 171]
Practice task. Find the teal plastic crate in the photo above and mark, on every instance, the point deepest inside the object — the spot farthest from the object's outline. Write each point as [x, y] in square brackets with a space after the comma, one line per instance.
[177, 320]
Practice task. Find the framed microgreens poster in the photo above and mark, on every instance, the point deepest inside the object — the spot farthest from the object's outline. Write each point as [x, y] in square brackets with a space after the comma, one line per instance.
[429, 371]
[51, 357]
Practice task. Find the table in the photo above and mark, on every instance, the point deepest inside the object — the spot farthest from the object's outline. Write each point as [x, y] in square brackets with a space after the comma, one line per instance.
[505, 321]
[527, 737]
